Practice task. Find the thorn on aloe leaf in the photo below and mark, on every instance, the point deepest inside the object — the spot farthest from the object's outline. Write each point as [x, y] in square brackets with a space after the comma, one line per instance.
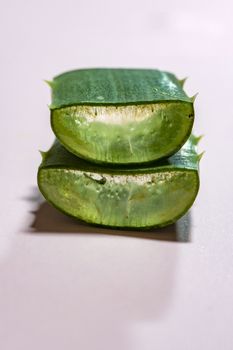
[193, 98]
[50, 83]
[197, 139]
[199, 156]
[182, 81]
[43, 154]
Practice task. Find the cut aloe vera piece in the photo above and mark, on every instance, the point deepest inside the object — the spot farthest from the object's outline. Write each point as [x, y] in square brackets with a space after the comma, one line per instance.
[136, 197]
[120, 116]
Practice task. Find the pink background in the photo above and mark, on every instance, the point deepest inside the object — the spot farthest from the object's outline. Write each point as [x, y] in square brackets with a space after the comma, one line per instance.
[64, 285]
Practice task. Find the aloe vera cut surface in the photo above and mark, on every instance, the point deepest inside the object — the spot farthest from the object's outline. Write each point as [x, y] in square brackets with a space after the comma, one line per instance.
[137, 197]
[120, 116]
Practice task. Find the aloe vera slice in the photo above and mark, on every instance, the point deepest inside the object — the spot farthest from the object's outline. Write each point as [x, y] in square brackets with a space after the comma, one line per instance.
[120, 116]
[136, 197]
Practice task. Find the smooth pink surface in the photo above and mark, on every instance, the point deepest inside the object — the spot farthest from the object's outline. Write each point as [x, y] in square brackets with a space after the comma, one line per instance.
[93, 289]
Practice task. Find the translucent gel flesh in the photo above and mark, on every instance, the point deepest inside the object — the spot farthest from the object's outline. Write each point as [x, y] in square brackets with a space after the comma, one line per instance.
[123, 134]
[137, 201]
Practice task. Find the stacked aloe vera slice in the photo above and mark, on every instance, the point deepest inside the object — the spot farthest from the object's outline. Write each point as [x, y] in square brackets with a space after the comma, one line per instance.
[124, 155]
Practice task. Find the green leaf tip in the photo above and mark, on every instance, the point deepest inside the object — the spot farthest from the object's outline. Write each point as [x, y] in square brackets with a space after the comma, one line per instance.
[199, 156]
[50, 83]
[193, 98]
[43, 155]
[182, 81]
[197, 139]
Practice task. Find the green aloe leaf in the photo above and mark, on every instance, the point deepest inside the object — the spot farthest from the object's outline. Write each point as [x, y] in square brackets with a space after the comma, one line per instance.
[120, 116]
[133, 197]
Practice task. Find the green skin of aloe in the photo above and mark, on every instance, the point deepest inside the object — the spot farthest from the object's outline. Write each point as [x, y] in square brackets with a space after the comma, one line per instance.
[120, 116]
[138, 197]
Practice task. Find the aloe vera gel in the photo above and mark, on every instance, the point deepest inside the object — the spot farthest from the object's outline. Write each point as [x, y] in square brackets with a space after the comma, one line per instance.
[140, 197]
[120, 116]
[124, 155]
